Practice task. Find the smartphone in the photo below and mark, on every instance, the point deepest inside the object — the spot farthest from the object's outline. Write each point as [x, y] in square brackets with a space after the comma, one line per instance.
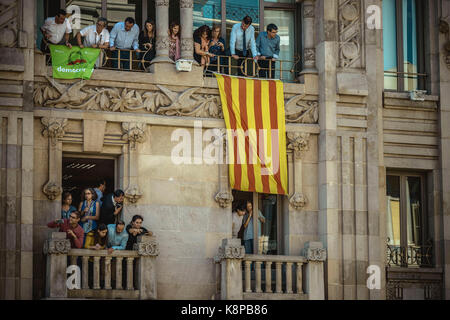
[60, 221]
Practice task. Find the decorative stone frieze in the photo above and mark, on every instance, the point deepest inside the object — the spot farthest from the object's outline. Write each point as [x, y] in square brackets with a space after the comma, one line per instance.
[56, 246]
[298, 201]
[162, 3]
[298, 142]
[9, 22]
[308, 9]
[187, 44]
[224, 198]
[162, 43]
[53, 128]
[298, 110]
[350, 33]
[315, 252]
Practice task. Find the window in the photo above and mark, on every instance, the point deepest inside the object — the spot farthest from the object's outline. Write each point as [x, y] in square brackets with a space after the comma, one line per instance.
[403, 43]
[406, 220]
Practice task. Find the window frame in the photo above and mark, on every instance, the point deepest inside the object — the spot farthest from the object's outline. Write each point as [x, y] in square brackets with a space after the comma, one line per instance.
[425, 234]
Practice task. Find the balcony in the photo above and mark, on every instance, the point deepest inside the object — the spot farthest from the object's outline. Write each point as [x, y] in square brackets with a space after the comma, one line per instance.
[90, 275]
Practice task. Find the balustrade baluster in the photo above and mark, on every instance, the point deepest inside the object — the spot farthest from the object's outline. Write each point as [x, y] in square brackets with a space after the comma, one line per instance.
[268, 276]
[278, 283]
[96, 273]
[130, 273]
[85, 270]
[288, 277]
[73, 260]
[299, 278]
[248, 287]
[258, 276]
[108, 273]
[119, 273]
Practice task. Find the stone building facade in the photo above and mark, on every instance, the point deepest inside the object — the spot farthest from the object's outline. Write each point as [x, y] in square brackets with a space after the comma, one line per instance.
[346, 136]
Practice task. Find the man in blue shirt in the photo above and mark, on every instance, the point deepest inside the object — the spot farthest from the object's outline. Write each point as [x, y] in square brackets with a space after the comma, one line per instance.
[242, 41]
[268, 46]
[124, 35]
[117, 236]
[248, 228]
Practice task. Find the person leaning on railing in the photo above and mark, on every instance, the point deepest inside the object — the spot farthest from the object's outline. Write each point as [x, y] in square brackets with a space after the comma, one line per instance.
[124, 35]
[95, 36]
[268, 47]
[147, 41]
[201, 45]
[56, 30]
[242, 41]
[216, 47]
[72, 229]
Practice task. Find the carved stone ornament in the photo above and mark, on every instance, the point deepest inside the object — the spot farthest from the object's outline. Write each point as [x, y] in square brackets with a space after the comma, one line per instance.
[187, 45]
[162, 3]
[308, 10]
[316, 254]
[147, 248]
[133, 194]
[59, 246]
[301, 111]
[134, 132]
[52, 190]
[230, 252]
[298, 142]
[163, 43]
[310, 55]
[224, 198]
[9, 23]
[298, 201]
[10, 207]
[53, 128]
[350, 33]
[186, 4]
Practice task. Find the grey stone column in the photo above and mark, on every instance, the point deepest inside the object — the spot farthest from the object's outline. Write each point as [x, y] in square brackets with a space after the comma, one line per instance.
[230, 256]
[148, 250]
[309, 51]
[315, 283]
[187, 42]
[162, 37]
[56, 249]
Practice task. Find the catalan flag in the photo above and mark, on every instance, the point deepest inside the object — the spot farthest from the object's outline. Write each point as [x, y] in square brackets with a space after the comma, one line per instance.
[253, 110]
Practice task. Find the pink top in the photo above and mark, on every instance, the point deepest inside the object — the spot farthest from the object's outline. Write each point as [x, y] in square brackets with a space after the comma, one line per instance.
[174, 48]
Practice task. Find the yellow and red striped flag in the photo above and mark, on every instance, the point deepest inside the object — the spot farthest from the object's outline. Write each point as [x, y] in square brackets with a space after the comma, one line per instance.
[254, 116]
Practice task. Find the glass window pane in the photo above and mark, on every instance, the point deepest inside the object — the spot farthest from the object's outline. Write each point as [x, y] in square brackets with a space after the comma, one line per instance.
[237, 10]
[268, 239]
[414, 210]
[281, 1]
[410, 61]
[390, 44]
[393, 209]
[284, 20]
[207, 12]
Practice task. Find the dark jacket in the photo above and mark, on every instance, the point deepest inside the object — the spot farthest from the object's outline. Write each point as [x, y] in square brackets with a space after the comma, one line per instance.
[133, 239]
[107, 211]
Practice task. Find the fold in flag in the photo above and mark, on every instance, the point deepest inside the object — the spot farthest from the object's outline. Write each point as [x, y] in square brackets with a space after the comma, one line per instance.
[256, 135]
[73, 63]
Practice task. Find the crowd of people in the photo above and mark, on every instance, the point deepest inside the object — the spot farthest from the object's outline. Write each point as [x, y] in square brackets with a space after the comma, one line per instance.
[97, 223]
[209, 46]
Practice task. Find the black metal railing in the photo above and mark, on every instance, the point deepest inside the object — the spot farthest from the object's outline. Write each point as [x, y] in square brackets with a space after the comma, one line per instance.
[410, 256]
[285, 70]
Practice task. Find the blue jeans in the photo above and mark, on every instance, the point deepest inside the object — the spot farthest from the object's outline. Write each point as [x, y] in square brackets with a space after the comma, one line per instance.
[248, 244]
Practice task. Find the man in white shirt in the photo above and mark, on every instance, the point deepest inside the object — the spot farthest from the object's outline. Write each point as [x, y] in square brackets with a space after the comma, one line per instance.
[56, 30]
[237, 219]
[95, 36]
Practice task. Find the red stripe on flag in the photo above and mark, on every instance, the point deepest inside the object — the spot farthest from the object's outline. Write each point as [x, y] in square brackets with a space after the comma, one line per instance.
[259, 126]
[244, 123]
[275, 142]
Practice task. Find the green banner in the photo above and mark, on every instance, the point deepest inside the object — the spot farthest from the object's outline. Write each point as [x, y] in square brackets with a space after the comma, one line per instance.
[73, 63]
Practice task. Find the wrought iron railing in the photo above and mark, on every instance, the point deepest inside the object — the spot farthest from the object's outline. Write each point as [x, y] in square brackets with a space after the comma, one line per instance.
[410, 256]
[285, 70]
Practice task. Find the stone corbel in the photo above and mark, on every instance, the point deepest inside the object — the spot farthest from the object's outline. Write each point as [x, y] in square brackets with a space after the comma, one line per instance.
[134, 133]
[54, 130]
[57, 244]
[224, 197]
[314, 251]
[147, 246]
[230, 249]
[298, 142]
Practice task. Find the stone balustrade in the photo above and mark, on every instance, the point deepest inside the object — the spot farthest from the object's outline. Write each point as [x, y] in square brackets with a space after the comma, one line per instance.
[83, 273]
[270, 277]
